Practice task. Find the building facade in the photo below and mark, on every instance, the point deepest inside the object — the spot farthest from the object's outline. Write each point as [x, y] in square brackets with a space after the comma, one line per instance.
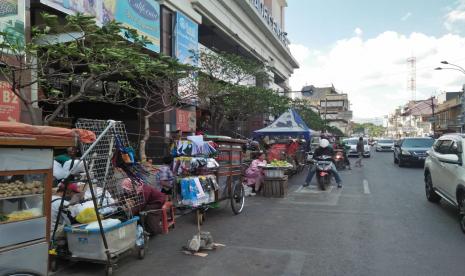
[333, 107]
[253, 29]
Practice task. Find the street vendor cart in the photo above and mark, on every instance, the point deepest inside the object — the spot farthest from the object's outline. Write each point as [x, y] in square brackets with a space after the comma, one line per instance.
[208, 171]
[25, 190]
[291, 139]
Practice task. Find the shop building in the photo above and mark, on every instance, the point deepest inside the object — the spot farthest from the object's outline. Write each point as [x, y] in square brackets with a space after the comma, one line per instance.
[254, 29]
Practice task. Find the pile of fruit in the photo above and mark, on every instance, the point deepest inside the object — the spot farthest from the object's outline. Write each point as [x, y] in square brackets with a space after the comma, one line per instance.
[19, 188]
[279, 164]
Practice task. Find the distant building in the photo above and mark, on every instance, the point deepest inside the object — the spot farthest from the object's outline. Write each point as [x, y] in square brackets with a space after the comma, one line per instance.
[333, 107]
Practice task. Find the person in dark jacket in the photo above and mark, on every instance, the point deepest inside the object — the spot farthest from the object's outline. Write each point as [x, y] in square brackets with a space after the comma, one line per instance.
[360, 150]
[324, 149]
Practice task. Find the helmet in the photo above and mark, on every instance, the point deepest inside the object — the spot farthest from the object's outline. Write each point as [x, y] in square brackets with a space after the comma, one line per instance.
[324, 143]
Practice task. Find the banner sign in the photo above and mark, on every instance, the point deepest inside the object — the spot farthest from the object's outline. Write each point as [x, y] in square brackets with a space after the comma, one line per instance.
[185, 120]
[10, 107]
[141, 15]
[187, 39]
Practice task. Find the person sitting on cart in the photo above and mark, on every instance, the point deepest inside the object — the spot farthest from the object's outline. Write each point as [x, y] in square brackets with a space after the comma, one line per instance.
[165, 176]
[73, 195]
[254, 174]
[153, 201]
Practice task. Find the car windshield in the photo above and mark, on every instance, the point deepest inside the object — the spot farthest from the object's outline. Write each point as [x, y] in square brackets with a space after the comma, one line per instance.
[386, 141]
[418, 143]
[355, 141]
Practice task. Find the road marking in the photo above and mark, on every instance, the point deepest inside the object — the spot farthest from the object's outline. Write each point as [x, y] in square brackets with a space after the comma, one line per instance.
[366, 188]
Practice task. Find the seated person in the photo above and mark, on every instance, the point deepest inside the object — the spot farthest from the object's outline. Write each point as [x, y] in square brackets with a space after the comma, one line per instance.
[165, 176]
[254, 174]
[152, 200]
[73, 194]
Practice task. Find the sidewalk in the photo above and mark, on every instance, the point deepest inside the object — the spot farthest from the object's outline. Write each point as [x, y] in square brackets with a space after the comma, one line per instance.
[238, 233]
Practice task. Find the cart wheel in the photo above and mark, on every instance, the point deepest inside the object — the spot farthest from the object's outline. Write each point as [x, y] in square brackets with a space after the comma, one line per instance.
[141, 253]
[237, 199]
[109, 270]
[53, 264]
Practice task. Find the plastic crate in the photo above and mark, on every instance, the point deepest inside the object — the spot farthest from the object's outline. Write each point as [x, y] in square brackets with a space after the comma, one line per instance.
[88, 244]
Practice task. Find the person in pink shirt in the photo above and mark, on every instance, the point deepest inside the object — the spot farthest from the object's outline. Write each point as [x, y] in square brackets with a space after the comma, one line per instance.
[254, 173]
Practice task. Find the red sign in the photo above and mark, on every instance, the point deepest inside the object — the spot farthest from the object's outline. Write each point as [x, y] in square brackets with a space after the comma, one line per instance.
[10, 108]
[185, 120]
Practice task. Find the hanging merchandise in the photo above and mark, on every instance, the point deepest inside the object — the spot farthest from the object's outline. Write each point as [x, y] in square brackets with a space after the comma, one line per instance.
[193, 148]
[196, 191]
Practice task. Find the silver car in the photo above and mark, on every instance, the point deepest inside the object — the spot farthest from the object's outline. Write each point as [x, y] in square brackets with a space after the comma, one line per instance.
[385, 145]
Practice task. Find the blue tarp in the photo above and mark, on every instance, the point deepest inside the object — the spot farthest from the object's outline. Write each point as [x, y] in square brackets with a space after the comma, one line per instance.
[288, 124]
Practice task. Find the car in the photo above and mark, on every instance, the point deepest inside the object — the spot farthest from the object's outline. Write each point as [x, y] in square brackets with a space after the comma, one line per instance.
[444, 173]
[412, 150]
[385, 145]
[352, 142]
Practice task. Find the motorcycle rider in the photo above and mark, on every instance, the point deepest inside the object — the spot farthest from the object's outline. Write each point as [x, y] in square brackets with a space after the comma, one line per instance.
[323, 149]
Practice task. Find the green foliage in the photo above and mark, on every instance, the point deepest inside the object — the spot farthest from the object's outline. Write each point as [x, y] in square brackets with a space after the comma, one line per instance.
[311, 118]
[373, 130]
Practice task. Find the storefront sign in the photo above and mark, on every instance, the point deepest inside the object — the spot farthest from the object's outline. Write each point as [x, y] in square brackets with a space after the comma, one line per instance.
[185, 120]
[10, 108]
[12, 13]
[187, 36]
[269, 20]
[142, 15]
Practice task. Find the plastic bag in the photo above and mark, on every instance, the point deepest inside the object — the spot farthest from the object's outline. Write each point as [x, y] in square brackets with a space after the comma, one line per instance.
[87, 215]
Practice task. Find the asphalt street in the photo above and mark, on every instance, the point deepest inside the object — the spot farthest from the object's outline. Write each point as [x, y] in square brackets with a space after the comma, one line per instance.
[380, 223]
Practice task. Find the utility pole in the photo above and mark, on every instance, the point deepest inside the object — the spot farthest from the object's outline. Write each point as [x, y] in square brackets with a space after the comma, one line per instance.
[433, 117]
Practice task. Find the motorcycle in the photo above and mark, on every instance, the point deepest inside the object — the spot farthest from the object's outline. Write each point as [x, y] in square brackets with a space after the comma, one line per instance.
[340, 159]
[323, 170]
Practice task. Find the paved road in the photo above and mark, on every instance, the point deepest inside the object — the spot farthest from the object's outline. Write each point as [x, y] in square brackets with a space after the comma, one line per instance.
[379, 224]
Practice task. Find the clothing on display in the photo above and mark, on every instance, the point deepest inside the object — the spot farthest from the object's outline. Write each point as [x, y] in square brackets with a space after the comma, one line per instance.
[198, 190]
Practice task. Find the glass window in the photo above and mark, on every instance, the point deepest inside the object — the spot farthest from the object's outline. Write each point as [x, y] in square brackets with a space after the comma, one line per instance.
[166, 31]
[445, 147]
[417, 143]
[21, 197]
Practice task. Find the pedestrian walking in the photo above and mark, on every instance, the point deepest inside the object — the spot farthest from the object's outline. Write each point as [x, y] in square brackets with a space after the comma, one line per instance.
[360, 150]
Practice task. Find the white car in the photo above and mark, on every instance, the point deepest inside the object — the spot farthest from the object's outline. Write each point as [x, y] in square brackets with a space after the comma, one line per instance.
[445, 173]
[385, 145]
[352, 142]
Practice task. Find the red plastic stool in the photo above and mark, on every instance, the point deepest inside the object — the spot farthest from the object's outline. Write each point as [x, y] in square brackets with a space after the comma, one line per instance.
[167, 218]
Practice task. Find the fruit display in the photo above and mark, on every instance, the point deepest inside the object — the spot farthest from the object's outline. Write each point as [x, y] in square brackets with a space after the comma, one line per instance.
[279, 164]
[19, 188]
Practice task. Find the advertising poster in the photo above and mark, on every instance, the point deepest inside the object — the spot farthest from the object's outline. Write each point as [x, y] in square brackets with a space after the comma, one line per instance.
[89, 7]
[10, 107]
[185, 120]
[187, 37]
[142, 15]
[12, 13]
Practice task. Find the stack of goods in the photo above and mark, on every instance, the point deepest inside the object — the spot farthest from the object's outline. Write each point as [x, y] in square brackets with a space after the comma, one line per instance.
[194, 146]
[19, 188]
[186, 165]
[198, 190]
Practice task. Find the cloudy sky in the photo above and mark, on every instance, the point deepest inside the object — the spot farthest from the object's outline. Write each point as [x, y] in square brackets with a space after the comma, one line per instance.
[362, 47]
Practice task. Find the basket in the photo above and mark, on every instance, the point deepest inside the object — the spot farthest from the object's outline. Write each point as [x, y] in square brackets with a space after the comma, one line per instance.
[88, 244]
[274, 172]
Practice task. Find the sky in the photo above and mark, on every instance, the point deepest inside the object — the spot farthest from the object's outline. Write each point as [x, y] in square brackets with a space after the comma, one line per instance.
[362, 47]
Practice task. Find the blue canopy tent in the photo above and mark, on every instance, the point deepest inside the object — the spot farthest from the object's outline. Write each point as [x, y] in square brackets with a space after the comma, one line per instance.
[288, 124]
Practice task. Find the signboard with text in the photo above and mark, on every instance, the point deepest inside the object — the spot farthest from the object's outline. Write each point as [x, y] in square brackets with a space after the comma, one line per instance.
[185, 120]
[141, 15]
[187, 37]
[12, 15]
[10, 107]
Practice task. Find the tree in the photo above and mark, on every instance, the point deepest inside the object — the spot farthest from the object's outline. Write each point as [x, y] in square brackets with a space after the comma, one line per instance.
[226, 86]
[88, 63]
[372, 129]
[311, 118]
